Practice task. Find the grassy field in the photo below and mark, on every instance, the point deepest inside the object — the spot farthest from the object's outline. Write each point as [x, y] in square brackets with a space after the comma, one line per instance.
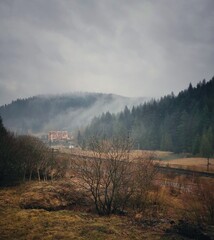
[17, 223]
[171, 159]
[199, 164]
[181, 161]
[76, 222]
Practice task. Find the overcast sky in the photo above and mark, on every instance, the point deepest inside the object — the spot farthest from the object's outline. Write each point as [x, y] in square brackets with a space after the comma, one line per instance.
[145, 48]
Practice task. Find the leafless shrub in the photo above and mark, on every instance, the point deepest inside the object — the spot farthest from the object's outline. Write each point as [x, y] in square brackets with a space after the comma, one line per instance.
[113, 180]
[37, 158]
[144, 174]
[199, 204]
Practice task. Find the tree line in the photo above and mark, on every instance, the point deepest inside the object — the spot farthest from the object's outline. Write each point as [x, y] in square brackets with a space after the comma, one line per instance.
[23, 158]
[35, 113]
[182, 123]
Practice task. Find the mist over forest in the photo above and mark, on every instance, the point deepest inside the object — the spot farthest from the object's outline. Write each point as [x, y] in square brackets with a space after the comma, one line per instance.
[182, 123]
[40, 114]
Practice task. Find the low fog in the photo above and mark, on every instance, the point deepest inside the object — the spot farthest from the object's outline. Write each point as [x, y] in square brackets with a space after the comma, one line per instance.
[40, 114]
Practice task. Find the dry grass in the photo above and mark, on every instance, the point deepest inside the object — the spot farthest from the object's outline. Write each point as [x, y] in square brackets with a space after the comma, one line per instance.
[166, 158]
[172, 160]
[17, 223]
[199, 164]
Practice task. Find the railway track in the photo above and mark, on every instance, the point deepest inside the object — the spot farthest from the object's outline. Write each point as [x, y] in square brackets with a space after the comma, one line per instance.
[181, 171]
[165, 169]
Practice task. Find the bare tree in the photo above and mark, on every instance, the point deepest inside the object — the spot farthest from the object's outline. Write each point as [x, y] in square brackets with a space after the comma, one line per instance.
[36, 157]
[110, 175]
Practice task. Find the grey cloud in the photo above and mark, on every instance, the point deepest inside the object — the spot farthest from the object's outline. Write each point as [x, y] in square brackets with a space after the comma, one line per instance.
[132, 48]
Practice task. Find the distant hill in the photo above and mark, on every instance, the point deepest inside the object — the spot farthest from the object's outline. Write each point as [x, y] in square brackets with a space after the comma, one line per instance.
[60, 112]
[182, 123]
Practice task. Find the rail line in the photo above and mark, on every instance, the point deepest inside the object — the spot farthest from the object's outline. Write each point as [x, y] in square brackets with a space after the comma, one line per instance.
[166, 169]
[181, 171]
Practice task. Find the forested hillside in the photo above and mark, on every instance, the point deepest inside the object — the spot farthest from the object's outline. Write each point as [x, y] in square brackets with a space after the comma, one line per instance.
[182, 123]
[59, 112]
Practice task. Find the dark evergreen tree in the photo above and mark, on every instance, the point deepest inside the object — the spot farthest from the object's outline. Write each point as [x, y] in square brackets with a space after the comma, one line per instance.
[175, 123]
[21, 156]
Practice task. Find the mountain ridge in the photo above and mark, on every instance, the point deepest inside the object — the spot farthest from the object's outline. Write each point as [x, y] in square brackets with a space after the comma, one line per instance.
[42, 113]
[182, 123]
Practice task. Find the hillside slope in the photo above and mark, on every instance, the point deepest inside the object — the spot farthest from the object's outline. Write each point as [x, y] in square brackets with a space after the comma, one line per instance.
[60, 112]
[183, 123]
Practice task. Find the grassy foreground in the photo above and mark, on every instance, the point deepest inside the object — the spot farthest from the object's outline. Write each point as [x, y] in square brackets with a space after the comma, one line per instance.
[17, 223]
